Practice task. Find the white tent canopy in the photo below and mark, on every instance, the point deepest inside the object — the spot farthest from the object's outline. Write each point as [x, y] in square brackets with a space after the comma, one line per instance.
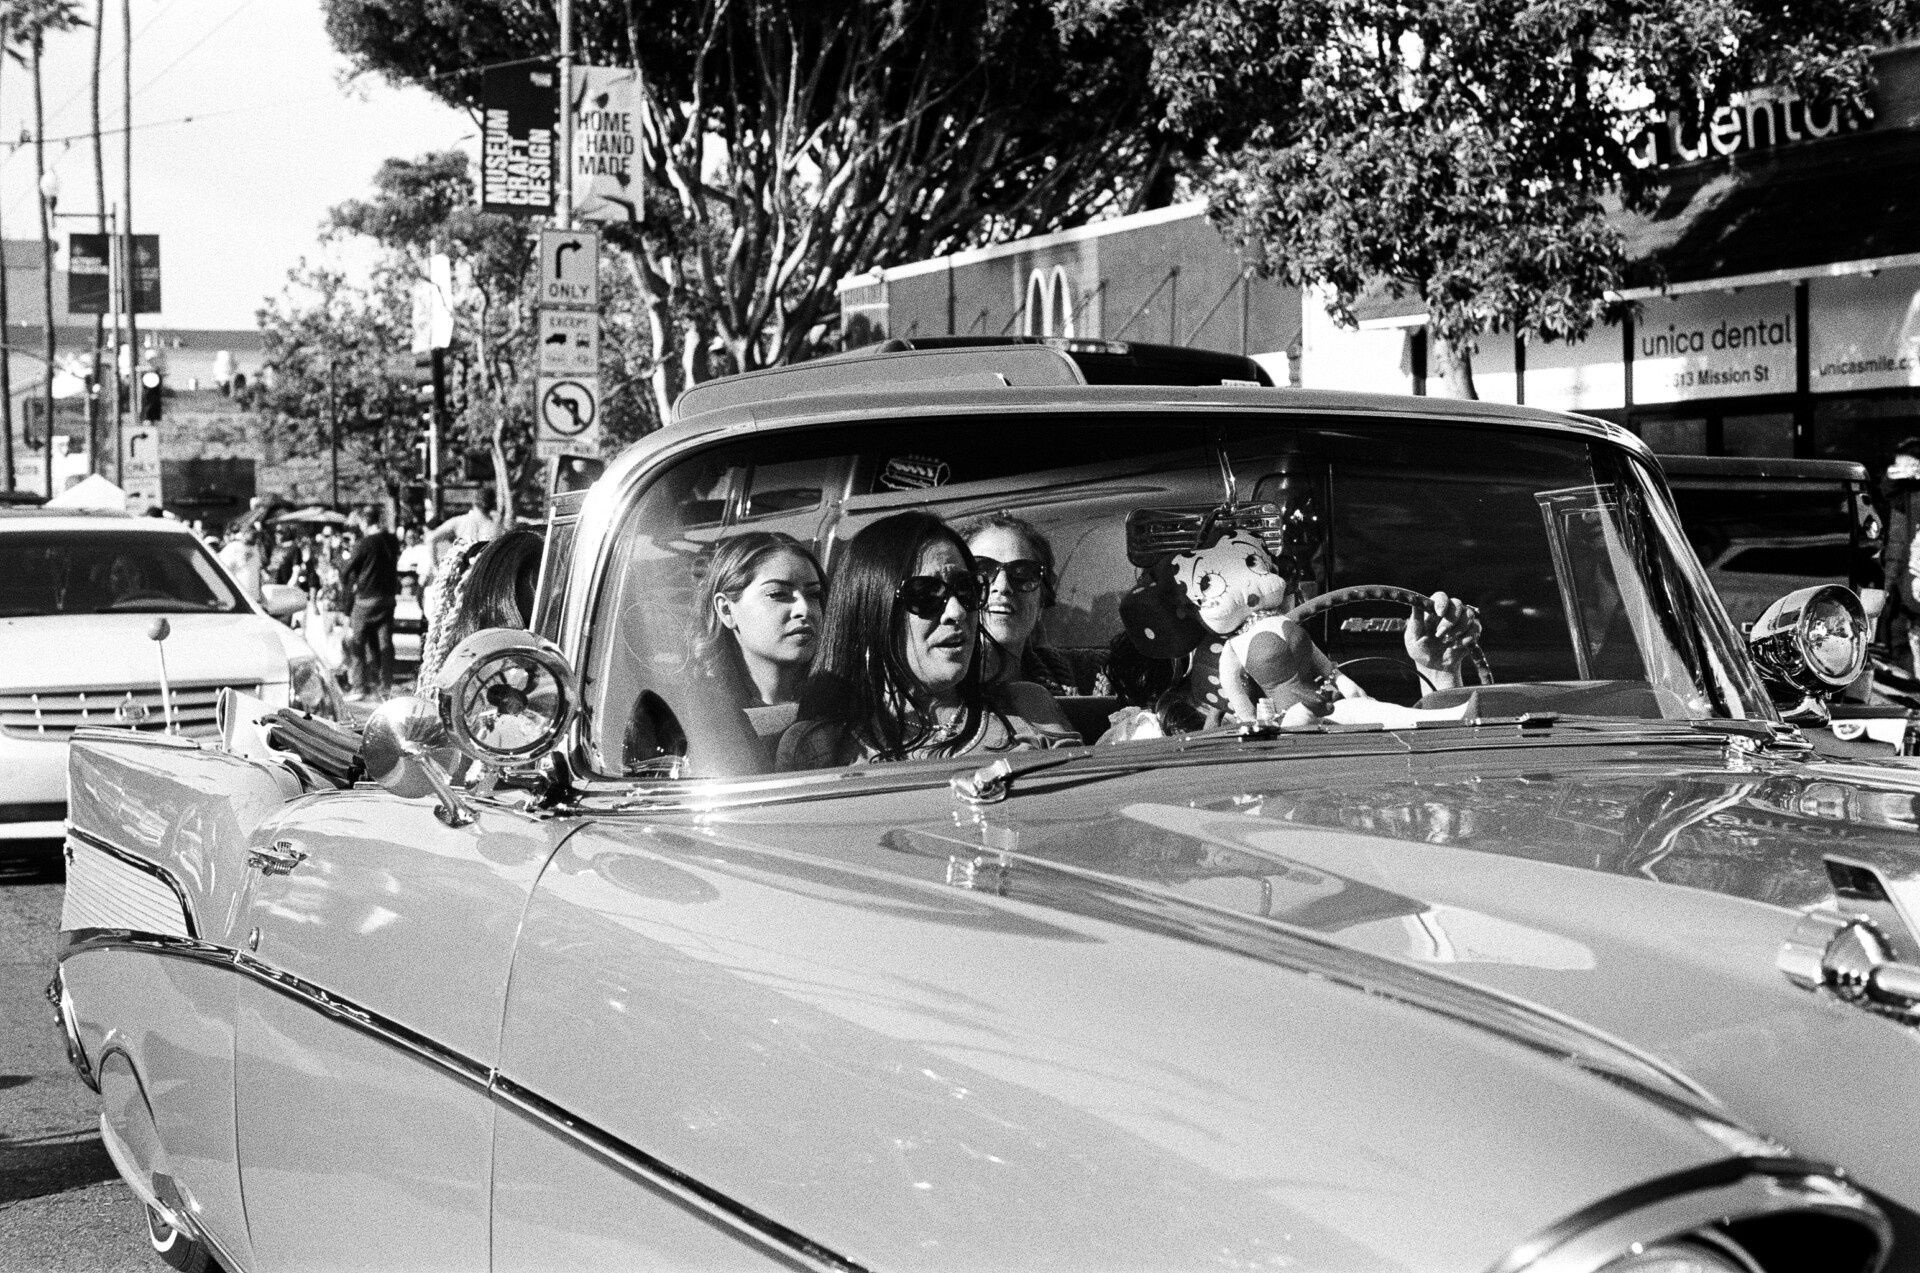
[93, 493]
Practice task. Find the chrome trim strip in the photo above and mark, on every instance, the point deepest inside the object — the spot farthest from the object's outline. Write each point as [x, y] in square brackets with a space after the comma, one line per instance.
[133, 737]
[595, 795]
[62, 1001]
[139, 863]
[772, 1237]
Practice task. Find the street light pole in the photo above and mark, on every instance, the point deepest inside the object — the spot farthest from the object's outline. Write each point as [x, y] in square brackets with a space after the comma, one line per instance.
[566, 114]
[128, 270]
[48, 192]
[333, 421]
[116, 268]
[6, 364]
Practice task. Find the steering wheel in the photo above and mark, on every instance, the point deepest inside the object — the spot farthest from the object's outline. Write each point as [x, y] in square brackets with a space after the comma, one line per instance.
[1415, 602]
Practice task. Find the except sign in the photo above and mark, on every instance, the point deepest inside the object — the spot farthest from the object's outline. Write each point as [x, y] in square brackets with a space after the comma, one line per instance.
[569, 342]
[1712, 345]
[606, 145]
[569, 268]
[569, 416]
[520, 116]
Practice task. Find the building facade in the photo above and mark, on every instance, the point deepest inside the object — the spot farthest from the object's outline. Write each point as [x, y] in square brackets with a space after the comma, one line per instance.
[1775, 292]
[1159, 277]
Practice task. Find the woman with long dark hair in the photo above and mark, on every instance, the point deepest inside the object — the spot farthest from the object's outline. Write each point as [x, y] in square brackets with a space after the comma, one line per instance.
[490, 585]
[898, 676]
[756, 621]
[1018, 581]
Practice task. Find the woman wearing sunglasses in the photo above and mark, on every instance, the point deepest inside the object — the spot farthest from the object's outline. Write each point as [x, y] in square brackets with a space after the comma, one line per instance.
[1015, 562]
[898, 675]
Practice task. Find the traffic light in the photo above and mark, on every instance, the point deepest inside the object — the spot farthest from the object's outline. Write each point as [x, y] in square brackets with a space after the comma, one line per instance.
[151, 385]
[430, 382]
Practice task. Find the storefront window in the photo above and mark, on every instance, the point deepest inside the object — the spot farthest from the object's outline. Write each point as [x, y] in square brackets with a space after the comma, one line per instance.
[1757, 435]
[1675, 437]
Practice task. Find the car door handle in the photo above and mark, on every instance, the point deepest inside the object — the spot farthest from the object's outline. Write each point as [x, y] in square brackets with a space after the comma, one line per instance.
[278, 858]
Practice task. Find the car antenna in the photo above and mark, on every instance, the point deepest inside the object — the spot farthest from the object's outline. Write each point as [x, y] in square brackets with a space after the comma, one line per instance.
[157, 632]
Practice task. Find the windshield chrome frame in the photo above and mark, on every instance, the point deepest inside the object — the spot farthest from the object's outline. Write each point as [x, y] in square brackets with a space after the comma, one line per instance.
[611, 501]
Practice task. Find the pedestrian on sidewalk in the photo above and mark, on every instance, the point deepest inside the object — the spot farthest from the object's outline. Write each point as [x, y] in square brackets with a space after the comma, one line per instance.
[372, 580]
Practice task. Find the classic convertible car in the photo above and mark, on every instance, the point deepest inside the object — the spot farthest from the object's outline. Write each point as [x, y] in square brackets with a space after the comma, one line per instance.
[1586, 965]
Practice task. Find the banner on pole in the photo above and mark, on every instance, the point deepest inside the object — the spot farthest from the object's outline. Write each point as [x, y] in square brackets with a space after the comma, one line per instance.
[433, 305]
[520, 108]
[146, 273]
[607, 173]
[89, 274]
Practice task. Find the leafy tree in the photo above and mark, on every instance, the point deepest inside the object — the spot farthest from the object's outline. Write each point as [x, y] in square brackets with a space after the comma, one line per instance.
[329, 357]
[425, 206]
[791, 143]
[1467, 152]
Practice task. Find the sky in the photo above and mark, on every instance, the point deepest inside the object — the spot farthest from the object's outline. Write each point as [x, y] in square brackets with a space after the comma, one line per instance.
[237, 195]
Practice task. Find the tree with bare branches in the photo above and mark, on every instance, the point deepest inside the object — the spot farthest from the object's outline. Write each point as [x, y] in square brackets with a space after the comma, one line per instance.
[790, 143]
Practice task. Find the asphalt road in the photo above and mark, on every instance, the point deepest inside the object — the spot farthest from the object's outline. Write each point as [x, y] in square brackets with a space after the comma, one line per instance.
[62, 1207]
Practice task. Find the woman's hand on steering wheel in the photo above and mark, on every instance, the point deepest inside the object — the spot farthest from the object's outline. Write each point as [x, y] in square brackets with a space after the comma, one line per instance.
[1439, 637]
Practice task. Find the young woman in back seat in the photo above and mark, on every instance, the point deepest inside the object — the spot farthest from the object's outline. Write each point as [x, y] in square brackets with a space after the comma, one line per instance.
[899, 675]
[757, 615]
[1017, 577]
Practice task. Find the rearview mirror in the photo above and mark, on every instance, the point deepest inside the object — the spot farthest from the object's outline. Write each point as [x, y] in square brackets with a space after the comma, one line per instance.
[1810, 645]
[405, 749]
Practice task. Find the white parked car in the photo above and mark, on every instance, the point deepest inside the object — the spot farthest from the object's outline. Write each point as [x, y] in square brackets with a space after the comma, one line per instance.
[79, 594]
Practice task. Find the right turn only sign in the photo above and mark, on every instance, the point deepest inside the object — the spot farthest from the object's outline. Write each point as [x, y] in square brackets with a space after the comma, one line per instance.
[569, 415]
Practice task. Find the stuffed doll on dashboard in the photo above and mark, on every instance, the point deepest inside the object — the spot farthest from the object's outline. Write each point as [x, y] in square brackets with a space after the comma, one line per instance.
[1240, 594]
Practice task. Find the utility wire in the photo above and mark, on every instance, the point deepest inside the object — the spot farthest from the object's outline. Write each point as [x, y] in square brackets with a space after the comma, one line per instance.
[211, 31]
[26, 139]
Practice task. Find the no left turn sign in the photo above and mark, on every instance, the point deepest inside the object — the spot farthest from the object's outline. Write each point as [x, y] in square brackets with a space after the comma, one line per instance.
[568, 408]
[569, 416]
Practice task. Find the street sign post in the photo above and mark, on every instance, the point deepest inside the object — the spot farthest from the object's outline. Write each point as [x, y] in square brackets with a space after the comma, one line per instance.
[569, 342]
[567, 416]
[569, 268]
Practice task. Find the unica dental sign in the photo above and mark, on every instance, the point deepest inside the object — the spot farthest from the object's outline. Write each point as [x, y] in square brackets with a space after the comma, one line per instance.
[1714, 345]
[1863, 331]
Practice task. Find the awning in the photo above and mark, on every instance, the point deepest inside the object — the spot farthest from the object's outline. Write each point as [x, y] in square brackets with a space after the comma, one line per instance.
[1776, 213]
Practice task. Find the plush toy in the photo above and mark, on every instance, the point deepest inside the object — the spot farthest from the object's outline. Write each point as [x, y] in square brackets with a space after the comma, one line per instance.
[1239, 593]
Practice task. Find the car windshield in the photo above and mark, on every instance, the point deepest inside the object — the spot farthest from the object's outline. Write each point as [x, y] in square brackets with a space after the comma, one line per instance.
[45, 572]
[1589, 599]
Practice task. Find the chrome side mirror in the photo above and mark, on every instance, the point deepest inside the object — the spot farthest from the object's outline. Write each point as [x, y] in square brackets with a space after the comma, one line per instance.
[507, 697]
[405, 749]
[1810, 645]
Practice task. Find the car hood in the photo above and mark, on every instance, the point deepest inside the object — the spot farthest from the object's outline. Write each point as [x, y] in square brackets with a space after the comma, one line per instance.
[79, 651]
[1643, 890]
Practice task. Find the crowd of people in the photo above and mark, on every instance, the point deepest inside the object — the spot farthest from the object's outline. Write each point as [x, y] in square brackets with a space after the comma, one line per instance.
[353, 577]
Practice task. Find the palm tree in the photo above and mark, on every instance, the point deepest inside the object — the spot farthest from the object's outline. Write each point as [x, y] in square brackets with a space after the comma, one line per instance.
[25, 25]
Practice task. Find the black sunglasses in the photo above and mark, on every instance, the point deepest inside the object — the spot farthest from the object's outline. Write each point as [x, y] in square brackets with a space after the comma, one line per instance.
[1023, 573]
[926, 596]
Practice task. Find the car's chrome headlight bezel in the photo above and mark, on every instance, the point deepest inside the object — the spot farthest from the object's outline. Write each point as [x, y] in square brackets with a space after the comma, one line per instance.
[1709, 1206]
